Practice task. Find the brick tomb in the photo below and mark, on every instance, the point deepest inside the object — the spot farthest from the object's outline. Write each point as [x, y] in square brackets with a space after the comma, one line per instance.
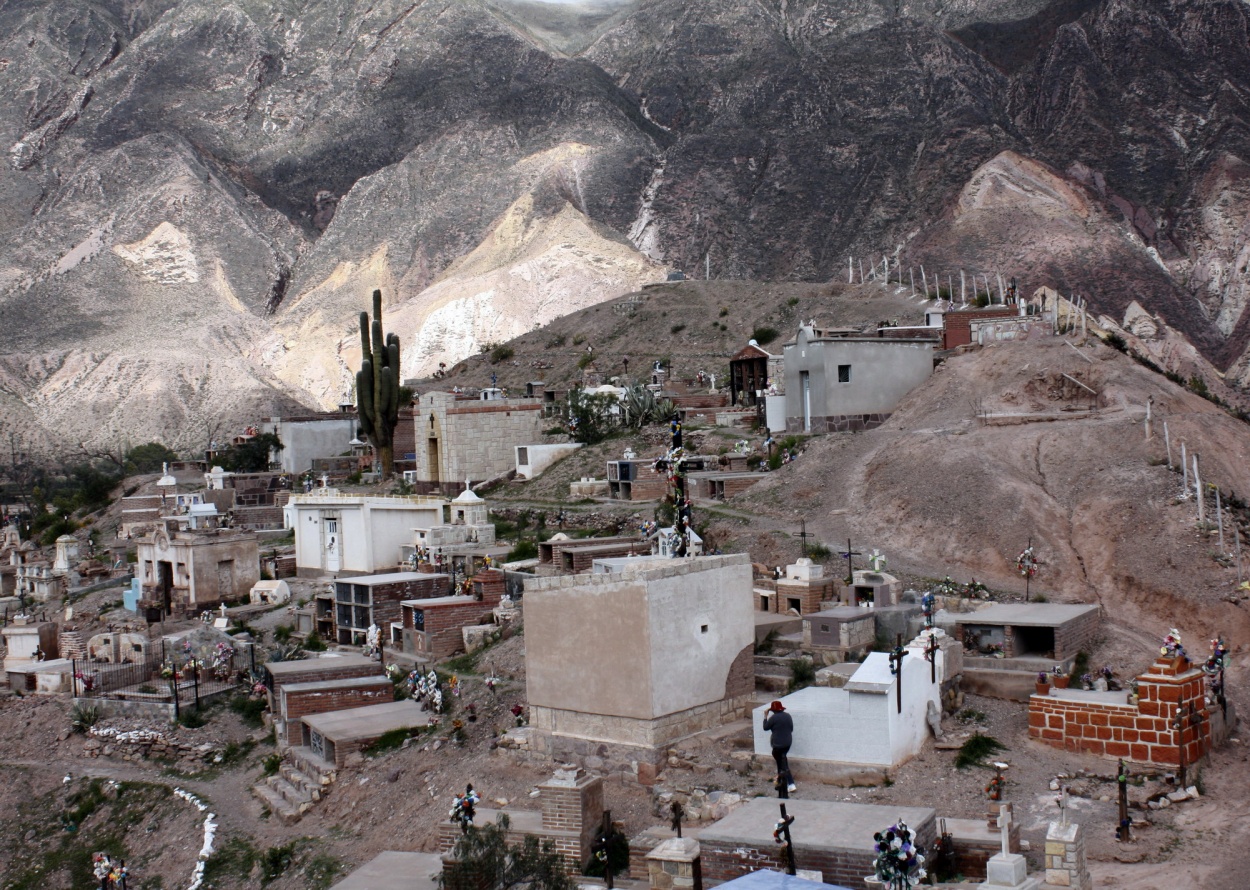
[802, 590]
[1110, 724]
[571, 816]
[296, 700]
[433, 628]
[831, 837]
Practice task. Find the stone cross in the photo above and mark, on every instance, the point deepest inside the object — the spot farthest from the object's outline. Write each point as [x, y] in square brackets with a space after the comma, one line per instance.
[223, 610]
[1004, 827]
[876, 560]
[1063, 804]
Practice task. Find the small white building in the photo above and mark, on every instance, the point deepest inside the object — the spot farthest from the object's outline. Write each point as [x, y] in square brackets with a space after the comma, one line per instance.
[352, 534]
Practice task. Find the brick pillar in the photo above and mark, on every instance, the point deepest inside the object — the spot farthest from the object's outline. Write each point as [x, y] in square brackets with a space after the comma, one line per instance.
[573, 801]
[1169, 684]
[1065, 856]
[675, 865]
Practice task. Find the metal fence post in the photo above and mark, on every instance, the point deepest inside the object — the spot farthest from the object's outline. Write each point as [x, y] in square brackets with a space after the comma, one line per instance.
[196, 680]
[73, 677]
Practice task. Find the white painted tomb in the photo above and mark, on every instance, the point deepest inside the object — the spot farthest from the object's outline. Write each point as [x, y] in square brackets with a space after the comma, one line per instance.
[859, 724]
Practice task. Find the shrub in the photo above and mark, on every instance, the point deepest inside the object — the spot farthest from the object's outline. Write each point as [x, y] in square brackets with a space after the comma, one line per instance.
[314, 643]
[282, 633]
[83, 717]
[192, 719]
[974, 751]
[724, 310]
[555, 342]
[501, 353]
[819, 552]
[802, 674]
[585, 360]
[764, 335]
[271, 763]
[251, 710]
[677, 329]
[276, 860]
[523, 550]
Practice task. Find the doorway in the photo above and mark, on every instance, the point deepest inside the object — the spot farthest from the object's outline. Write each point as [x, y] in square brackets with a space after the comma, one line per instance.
[165, 581]
[333, 544]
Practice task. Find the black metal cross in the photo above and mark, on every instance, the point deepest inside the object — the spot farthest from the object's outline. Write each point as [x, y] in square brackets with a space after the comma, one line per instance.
[850, 566]
[786, 820]
[678, 814]
[896, 668]
[930, 655]
[1188, 716]
[803, 535]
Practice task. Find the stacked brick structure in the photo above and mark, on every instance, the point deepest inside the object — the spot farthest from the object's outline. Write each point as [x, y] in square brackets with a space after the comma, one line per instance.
[1065, 856]
[375, 599]
[571, 556]
[317, 670]
[1071, 628]
[839, 848]
[957, 327]
[433, 627]
[572, 814]
[296, 700]
[1099, 723]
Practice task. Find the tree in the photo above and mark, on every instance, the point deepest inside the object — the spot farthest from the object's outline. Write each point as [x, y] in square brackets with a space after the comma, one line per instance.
[485, 859]
[250, 455]
[149, 458]
[590, 416]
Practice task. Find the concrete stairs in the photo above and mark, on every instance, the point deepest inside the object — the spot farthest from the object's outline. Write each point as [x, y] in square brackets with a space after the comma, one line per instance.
[302, 779]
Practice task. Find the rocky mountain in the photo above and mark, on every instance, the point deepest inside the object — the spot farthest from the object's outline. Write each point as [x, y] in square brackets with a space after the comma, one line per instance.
[198, 197]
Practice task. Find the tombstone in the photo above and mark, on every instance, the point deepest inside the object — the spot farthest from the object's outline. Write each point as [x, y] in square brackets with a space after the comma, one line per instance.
[269, 592]
[1007, 869]
[118, 648]
[24, 636]
[1065, 855]
[675, 864]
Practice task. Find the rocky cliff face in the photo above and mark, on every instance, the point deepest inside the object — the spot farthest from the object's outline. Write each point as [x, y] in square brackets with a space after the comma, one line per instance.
[199, 196]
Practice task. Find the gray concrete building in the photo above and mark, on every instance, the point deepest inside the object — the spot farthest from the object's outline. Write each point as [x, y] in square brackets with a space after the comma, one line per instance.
[840, 381]
[310, 436]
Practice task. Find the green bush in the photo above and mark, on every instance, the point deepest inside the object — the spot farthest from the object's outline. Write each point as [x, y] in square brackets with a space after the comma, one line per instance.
[250, 709]
[974, 751]
[523, 550]
[192, 718]
[275, 861]
[555, 342]
[271, 764]
[314, 643]
[585, 360]
[763, 335]
[677, 329]
[802, 674]
[501, 353]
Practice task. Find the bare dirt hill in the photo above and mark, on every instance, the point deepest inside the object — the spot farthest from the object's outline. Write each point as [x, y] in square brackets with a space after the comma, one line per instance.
[941, 490]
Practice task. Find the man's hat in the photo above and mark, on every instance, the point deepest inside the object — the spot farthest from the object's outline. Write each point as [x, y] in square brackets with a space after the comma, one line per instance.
[776, 706]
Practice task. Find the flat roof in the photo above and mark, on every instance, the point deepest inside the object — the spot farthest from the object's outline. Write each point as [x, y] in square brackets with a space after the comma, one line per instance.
[819, 824]
[768, 879]
[344, 683]
[393, 870]
[843, 613]
[368, 722]
[453, 600]
[388, 578]
[321, 663]
[1027, 614]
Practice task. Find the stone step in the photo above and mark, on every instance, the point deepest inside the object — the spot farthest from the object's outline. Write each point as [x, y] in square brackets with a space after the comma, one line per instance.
[296, 797]
[277, 805]
[311, 765]
[308, 785]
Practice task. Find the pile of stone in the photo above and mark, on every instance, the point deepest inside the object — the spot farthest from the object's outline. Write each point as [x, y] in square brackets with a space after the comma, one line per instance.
[698, 804]
[143, 744]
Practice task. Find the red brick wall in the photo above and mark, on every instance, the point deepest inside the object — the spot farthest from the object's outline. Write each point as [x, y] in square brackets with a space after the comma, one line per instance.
[301, 704]
[443, 621]
[957, 324]
[810, 595]
[1142, 733]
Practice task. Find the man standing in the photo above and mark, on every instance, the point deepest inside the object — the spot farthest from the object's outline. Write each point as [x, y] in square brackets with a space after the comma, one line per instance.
[781, 725]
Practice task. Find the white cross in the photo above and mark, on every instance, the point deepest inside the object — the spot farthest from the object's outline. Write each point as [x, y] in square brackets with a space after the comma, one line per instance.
[876, 559]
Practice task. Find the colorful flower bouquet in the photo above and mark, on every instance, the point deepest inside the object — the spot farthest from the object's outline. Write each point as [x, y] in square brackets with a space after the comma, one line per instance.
[900, 862]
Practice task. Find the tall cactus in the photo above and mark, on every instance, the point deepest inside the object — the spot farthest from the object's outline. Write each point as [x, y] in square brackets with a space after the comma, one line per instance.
[377, 385]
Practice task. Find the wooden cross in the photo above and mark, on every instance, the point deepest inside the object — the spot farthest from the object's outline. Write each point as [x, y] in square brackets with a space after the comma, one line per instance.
[850, 566]
[896, 668]
[930, 655]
